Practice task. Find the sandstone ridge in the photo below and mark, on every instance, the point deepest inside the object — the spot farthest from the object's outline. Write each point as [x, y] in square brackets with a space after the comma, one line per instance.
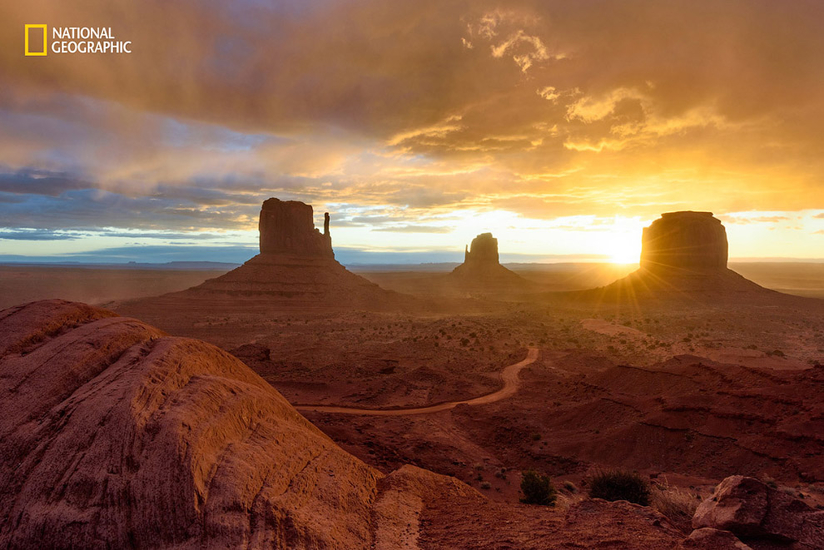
[116, 435]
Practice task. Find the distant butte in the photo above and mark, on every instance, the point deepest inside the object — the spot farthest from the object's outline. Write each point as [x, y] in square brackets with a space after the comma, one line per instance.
[296, 267]
[683, 257]
[484, 250]
[287, 227]
[482, 270]
[685, 240]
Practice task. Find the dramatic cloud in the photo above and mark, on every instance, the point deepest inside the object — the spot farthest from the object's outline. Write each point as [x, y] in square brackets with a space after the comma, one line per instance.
[396, 115]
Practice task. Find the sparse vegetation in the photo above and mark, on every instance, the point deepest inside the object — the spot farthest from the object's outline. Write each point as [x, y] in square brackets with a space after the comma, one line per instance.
[537, 489]
[619, 485]
[677, 505]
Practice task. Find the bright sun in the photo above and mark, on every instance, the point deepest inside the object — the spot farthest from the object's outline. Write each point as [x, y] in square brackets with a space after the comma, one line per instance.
[624, 251]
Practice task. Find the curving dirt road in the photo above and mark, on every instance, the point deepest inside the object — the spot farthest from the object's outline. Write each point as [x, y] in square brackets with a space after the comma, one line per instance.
[509, 376]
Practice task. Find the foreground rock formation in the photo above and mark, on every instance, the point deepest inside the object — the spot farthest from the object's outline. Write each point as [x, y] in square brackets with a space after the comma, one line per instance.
[115, 435]
[757, 514]
[481, 270]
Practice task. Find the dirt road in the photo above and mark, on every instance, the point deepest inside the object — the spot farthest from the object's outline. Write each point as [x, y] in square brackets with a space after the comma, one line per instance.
[509, 377]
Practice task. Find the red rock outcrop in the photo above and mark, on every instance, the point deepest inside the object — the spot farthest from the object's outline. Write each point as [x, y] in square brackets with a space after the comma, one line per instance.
[753, 511]
[114, 435]
[684, 240]
[287, 227]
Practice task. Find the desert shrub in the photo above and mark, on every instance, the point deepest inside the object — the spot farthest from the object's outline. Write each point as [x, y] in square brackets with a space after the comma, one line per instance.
[619, 485]
[677, 505]
[537, 489]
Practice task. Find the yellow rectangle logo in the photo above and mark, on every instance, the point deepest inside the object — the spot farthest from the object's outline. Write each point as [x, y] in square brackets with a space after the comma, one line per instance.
[45, 49]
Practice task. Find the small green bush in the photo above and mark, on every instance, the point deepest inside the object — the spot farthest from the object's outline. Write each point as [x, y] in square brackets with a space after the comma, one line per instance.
[619, 485]
[537, 489]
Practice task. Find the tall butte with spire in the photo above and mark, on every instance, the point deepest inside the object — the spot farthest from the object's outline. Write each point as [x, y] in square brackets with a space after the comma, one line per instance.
[296, 266]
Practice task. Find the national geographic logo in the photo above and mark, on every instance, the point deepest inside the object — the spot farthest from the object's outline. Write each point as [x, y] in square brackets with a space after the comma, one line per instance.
[72, 40]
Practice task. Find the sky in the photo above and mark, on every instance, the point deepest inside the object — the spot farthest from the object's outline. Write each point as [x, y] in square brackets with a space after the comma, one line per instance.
[562, 127]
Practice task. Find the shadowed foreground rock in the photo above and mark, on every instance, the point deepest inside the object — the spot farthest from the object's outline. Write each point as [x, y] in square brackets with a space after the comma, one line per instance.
[755, 512]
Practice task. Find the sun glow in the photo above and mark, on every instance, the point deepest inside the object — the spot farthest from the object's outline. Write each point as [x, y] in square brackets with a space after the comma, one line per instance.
[623, 246]
[625, 253]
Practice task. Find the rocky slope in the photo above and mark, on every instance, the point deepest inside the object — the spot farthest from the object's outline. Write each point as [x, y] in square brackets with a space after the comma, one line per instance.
[115, 435]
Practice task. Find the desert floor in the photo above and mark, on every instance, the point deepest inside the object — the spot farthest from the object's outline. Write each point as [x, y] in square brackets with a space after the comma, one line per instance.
[685, 394]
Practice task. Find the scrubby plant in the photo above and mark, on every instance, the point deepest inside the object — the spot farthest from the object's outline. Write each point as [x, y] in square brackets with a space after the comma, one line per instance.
[619, 485]
[537, 489]
[677, 505]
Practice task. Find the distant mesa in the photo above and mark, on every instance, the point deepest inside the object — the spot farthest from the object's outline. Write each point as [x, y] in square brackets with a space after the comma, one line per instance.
[683, 256]
[685, 240]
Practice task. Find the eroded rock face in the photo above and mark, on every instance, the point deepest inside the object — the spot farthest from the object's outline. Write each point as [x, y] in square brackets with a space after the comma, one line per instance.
[685, 240]
[483, 250]
[752, 510]
[115, 435]
[714, 539]
[287, 227]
